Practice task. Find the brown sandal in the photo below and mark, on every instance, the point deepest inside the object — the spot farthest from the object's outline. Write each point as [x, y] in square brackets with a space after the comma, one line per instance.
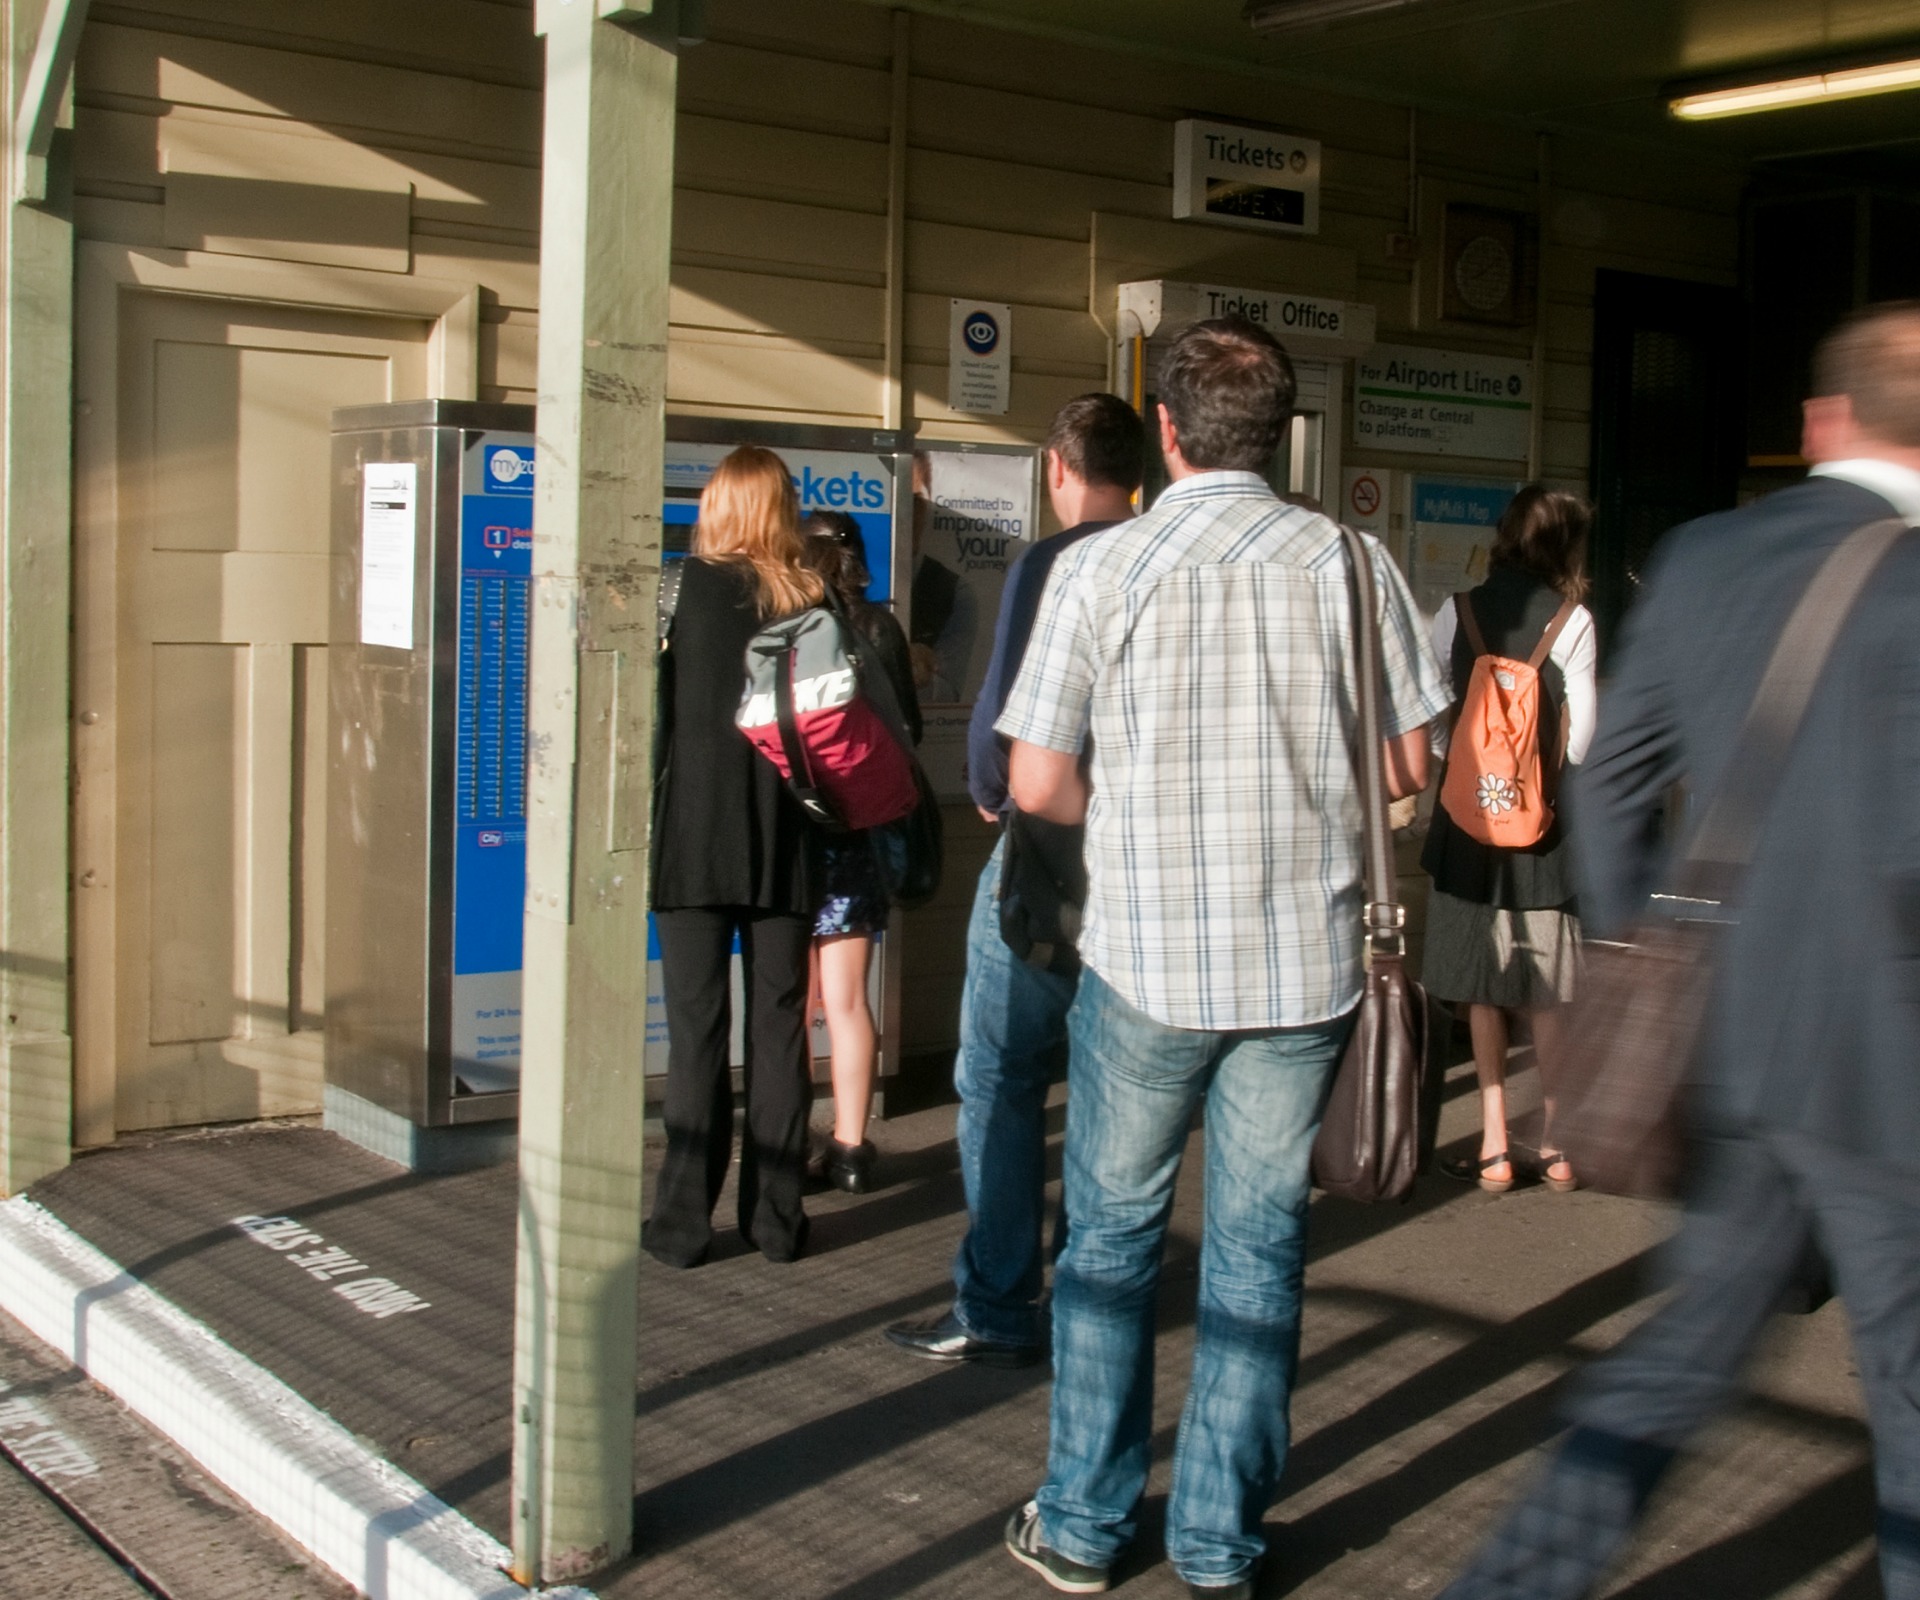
[1469, 1170]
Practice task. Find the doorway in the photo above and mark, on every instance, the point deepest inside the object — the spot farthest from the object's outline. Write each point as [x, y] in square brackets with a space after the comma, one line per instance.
[1668, 406]
[199, 927]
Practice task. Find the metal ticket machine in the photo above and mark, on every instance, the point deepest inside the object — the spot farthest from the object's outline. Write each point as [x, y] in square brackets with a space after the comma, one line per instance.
[432, 564]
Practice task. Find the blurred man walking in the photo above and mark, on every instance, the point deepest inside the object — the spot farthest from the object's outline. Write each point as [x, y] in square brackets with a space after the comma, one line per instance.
[1807, 1108]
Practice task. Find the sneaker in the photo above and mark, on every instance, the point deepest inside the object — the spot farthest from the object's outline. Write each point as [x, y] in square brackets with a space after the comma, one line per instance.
[1064, 1573]
[1239, 1589]
[943, 1339]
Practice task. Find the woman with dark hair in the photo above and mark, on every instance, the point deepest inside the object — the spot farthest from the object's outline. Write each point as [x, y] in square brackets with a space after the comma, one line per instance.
[1503, 936]
[854, 905]
[732, 861]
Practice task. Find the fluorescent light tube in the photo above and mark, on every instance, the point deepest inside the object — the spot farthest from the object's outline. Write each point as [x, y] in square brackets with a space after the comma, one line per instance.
[1273, 16]
[1849, 83]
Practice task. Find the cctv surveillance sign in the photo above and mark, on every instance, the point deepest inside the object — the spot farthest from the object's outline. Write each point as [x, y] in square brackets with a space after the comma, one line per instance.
[980, 358]
[1246, 177]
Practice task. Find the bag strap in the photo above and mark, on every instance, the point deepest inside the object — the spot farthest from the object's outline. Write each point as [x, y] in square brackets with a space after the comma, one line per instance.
[1386, 918]
[1723, 847]
[1470, 625]
[1552, 636]
[669, 603]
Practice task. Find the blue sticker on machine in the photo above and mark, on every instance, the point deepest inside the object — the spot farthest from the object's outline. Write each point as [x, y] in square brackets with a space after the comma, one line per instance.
[490, 717]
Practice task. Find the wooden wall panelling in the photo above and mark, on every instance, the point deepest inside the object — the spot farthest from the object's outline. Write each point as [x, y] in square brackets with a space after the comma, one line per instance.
[491, 42]
[828, 30]
[726, 80]
[1030, 130]
[732, 231]
[980, 191]
[731, 157]
[759, 302]
[433, 110]
[714, 369]
[990, 265]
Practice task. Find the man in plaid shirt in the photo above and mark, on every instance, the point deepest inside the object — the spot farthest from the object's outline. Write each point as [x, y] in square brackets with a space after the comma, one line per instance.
[1189, 691]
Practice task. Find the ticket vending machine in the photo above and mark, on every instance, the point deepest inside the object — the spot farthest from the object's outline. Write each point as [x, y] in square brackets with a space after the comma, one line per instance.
[432, 563]
[432, 566]
[1320, 336]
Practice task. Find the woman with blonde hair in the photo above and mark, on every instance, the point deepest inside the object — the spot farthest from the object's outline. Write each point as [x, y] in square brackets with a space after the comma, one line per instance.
[733, 859]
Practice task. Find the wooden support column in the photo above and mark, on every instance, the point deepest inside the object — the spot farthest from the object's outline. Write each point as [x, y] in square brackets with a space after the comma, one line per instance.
[605, 219]
[36, 540]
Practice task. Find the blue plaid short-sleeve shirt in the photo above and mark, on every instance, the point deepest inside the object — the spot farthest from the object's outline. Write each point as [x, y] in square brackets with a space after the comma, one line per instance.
[1207, 650]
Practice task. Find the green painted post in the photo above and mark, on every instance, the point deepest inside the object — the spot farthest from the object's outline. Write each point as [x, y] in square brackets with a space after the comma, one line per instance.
[36, 543]
[605, 222]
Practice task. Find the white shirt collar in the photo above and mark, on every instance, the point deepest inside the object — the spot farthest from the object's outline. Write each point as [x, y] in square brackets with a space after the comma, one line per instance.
[1899, 486]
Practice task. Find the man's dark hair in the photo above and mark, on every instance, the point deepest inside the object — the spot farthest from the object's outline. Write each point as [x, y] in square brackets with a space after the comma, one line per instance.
[1228, 386]
[1101, 440]
[1873, 358]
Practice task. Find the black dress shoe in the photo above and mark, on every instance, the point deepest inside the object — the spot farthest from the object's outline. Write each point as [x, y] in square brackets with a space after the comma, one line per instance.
[943, 1339]
[850, 1166]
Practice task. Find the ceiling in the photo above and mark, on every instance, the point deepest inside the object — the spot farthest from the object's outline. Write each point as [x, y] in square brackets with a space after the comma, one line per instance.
[1589, 65]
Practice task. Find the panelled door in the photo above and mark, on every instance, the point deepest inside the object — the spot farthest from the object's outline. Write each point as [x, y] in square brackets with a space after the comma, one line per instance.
[219, 726]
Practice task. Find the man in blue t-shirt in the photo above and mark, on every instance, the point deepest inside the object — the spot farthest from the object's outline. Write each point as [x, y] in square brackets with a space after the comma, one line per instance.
[1013, 1014]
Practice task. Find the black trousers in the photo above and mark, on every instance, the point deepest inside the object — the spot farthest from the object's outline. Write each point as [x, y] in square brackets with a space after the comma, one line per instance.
[1760, 1199]
[695, 954]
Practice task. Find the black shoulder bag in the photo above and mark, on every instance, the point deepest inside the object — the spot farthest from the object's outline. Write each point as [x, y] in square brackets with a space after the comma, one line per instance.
[1636, 1025]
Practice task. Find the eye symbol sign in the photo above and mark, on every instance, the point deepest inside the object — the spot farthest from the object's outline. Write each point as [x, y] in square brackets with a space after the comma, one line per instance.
[981, 333]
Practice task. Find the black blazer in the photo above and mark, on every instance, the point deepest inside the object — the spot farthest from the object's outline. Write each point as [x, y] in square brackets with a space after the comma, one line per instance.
[726, 831]
[1816, 1023]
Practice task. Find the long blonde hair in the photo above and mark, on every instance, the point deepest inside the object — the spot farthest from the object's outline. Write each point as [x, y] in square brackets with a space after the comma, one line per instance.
[750, 517]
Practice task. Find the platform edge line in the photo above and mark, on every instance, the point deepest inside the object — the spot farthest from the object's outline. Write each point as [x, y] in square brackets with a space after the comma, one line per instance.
[360, 1515]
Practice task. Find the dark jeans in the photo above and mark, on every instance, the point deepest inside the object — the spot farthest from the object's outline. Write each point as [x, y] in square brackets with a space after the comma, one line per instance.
[1760, 1199]
[1013, 1024]
[695, 953]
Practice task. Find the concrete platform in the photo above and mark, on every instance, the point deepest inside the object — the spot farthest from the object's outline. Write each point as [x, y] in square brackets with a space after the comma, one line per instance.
[785, 1448]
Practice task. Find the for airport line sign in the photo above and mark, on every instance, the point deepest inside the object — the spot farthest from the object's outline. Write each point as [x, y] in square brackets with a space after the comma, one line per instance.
[1443, 403]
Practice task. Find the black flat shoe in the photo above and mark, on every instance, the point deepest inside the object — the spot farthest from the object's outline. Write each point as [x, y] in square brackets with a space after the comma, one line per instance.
[943, 1339]
[849, 1166]
[1469, 1170]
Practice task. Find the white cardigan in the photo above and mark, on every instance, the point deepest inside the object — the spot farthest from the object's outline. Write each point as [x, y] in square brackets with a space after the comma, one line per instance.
[1574, 653]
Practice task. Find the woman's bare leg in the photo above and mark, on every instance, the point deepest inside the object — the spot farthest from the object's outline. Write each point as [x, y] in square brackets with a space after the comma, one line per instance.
[843, 992]
[1488, 1025]
[1549, 1030]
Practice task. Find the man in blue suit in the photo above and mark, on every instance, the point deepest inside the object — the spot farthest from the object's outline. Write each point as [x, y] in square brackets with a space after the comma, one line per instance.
[1807, 1093]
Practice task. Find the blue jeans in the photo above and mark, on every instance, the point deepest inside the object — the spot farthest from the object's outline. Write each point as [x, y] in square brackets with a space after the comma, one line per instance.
[1013, 1021]
[1136, 1083]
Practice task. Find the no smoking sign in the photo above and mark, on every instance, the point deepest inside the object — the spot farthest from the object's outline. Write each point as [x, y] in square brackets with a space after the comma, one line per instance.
[1365, 495]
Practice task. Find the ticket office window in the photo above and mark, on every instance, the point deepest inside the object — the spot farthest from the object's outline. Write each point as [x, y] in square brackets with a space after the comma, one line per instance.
[1307, 461]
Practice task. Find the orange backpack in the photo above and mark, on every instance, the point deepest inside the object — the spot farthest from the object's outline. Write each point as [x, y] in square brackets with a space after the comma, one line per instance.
[1497, 788]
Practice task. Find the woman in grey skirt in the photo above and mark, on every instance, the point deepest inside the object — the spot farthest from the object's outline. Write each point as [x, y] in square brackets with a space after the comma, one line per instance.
[1503, 936]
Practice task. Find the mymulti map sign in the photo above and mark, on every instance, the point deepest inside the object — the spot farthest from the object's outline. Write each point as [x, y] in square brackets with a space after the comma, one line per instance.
[1443, 403]
[1247, 177]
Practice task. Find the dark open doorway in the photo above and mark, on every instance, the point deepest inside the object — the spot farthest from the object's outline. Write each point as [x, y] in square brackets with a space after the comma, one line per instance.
[1669, 408]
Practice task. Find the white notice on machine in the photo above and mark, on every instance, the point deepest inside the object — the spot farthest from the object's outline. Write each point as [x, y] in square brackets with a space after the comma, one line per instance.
[386, 554]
